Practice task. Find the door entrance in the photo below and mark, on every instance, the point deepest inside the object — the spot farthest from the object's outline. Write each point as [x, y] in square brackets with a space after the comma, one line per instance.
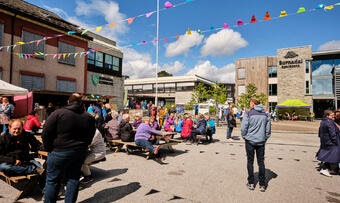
[319, 105]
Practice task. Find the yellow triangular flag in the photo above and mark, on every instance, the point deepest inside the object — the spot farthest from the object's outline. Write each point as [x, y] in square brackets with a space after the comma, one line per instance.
[283, 13]
[99, 28]
[64, 55]
[329, 7]
[21, 42]
[68, 55]
[189, 32]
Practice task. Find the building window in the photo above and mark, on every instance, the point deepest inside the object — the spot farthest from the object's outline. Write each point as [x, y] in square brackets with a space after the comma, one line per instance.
[241, 90]
[64, 48]
[272, 89]
[241, 73]
[272, 72]
[31, 82]
[1, 35]
[307, 87]
[185, 86]
[137, 88]
[160, 88]
[272, 106]
[169, 88]
[32, 47]
[66, 86]
[101, 60]
[0, 75]
[228, 94]
[322, 77]
[229, 88]
[307, 66]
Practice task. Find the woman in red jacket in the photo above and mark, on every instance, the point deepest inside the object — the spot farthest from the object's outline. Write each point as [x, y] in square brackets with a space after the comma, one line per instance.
[187, 126]
[32, 123]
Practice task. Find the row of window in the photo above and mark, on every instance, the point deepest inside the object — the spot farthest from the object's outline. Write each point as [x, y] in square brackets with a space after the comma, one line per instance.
[162, 88]
[272, 71]
[38, 83]
[272, 89]
[98, 59]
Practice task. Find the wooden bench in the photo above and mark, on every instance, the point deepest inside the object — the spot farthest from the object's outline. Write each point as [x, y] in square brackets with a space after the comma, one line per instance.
[28, 181]
[199, 137]
[119, 144]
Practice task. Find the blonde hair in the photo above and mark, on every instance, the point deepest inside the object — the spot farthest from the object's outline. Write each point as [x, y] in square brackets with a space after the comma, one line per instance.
[107, 105]
[145, 118]
[13, 121]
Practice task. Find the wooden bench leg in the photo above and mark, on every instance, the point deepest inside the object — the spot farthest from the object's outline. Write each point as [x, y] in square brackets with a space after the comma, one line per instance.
[149, 155]
[28, 188]
[119, 148]
[171, 150]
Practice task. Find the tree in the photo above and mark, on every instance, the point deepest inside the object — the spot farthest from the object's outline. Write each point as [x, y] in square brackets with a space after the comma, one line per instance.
[218, 93]
[163, 73]
[199, 94]
[244, 100]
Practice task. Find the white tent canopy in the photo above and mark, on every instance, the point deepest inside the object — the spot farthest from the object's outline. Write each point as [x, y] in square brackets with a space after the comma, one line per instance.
[11, 90]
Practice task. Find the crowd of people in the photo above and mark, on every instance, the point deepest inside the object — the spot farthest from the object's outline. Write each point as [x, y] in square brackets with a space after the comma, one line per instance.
[75, 138]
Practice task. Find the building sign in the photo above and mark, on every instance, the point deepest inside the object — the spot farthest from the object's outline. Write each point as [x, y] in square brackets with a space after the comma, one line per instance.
[291, 63]
[102, 80]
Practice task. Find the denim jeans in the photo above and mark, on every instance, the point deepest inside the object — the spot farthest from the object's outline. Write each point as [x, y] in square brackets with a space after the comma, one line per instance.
[193, 135]
[4, 128]
[229, 132]
[251, 149]
[145, 143]
[13, 170]
[209, 133]
[66, 163]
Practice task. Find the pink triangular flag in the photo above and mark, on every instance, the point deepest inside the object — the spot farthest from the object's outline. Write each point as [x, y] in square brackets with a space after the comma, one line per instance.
[225, 26]
[149, 14]
[155, 40]
[25, 56]
[239, 22]
[55, 55]
[168, 5]
[165, 39]
[130, 20]
[144, 42]
[38, 42]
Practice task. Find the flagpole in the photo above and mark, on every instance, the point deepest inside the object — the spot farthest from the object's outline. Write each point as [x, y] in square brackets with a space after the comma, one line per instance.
[156, 99]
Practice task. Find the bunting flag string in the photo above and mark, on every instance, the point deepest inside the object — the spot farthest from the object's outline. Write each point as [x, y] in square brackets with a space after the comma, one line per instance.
[239, 22]
[99, 28]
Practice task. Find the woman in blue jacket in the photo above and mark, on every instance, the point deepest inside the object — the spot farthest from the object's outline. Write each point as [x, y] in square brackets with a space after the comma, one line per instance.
[200, 129]
[329, 152]
[179, 124]
[210, 128]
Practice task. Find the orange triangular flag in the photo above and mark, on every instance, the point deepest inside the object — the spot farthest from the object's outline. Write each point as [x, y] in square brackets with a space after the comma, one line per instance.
[130, 20]
[112, 24]
[267, 17]
[253, 19]
[178, 36]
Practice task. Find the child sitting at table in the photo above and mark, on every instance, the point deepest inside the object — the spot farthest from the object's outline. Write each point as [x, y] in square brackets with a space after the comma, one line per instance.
[170, 122]
[154, 123]
[179, 124]
[145, 134]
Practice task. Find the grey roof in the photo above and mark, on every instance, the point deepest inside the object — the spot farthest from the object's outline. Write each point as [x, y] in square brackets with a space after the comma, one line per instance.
[39, 14]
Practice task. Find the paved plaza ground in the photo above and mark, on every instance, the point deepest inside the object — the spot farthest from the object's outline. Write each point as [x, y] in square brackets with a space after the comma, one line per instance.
[212, 172]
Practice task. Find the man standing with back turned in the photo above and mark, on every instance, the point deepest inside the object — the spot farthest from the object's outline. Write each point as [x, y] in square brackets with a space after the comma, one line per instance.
[66, 135]
[256, 130]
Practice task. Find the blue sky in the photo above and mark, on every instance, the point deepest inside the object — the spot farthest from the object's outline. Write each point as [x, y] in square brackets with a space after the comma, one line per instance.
[212, 54]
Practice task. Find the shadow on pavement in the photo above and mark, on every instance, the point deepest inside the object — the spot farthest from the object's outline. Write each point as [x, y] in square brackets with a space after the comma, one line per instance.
[235, 138]
[269, 176]
[100, 174]
[113, 194]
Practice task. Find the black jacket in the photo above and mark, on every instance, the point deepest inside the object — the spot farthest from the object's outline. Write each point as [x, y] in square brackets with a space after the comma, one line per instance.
[126, 132]
[68, 128]
[14, 148]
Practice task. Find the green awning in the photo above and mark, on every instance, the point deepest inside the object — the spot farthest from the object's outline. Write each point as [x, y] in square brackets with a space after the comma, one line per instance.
[293, 103]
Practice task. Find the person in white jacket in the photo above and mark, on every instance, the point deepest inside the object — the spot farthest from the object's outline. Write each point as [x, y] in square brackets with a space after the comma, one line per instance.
[97, 152]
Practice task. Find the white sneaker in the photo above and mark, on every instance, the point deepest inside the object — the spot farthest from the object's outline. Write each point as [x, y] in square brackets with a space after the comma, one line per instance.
[325, 172]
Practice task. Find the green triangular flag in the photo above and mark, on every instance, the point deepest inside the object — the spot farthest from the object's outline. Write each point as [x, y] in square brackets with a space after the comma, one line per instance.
[85, 31]
[301, 10]
[199, 31]
[337, 4]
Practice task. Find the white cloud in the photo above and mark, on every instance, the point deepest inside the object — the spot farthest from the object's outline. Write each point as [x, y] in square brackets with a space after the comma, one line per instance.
[331, 45]
[205, 69]
[107, 9]
[183, 44]
[173, 68]
[223, 43]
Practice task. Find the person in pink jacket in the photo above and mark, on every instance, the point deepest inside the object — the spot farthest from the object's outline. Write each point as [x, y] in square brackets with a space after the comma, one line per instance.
[187, 126]
[32, 123]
